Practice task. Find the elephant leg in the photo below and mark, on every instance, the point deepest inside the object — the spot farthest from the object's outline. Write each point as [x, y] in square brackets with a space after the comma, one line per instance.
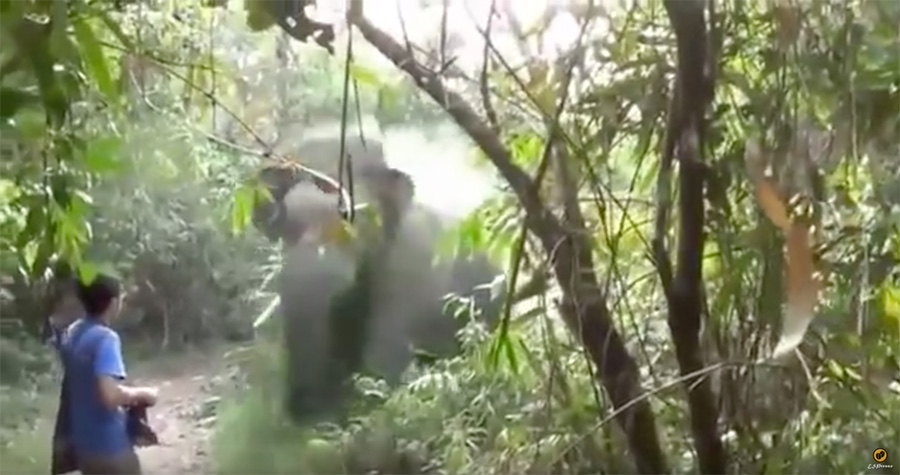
[309, 282]
[387, 353]
[435, 332]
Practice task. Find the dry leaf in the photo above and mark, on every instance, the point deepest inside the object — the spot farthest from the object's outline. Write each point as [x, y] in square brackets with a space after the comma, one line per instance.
[802, 290]
[772, 204]
[802, 286]
[787, 22]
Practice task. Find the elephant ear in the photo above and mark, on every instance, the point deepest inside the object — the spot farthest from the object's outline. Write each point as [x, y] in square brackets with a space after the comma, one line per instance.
[393, 192]
[268, 209]
[314, 216]
[299, 204]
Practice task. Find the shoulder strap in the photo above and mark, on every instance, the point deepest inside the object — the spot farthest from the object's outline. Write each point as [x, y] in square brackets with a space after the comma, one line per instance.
[76, 339]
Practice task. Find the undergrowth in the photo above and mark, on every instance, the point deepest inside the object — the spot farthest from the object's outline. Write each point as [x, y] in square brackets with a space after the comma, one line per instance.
[462, 416]
[28, 400]
[456, 416]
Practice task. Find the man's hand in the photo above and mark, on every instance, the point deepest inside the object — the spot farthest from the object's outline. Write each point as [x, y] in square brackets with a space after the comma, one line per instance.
[115, 394]
[146, 396]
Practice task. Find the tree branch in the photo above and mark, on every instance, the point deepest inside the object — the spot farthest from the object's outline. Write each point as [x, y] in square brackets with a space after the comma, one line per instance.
[456, 106]
[684, 292]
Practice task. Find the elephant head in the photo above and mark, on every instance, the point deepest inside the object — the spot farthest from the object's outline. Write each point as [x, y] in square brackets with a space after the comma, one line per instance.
[295, 201]
[299, 202]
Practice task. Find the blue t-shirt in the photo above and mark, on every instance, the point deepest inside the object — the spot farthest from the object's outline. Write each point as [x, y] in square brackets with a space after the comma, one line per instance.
[91, 349]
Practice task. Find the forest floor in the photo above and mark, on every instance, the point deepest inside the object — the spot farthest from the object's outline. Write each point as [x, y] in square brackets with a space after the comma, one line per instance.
[184, 418]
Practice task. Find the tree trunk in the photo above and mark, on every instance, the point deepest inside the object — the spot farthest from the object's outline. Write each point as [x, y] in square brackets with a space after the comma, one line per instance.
[692, 95]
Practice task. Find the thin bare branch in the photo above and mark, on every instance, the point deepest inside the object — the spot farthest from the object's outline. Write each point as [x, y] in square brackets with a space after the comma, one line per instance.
[485, 67]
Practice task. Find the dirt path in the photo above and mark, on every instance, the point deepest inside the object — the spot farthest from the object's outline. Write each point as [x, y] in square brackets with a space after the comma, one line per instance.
[184, 417]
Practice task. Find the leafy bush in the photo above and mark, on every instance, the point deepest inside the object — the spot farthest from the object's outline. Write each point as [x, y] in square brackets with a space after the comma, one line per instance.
[29, 394]
[23, 360]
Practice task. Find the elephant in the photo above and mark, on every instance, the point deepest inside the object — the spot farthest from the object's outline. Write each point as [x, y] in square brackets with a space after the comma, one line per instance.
[363, 307]
[322, 154]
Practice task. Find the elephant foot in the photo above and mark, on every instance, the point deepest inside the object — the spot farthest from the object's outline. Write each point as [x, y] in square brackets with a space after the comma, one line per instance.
[307, 406]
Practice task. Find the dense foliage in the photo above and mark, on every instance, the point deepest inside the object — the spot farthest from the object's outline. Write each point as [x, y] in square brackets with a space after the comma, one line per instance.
[129, 130]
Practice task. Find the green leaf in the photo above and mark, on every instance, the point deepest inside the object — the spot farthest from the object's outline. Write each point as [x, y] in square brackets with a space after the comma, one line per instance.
[29, 254]
[242, 208]
[364, 75]
[527, 148]
[102, 155]
[503, 345]
[87, 272]
[95, 61]
[890, 298]
[511, 356]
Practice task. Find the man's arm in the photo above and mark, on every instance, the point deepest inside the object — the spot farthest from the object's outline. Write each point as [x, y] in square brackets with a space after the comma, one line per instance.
[109, 366]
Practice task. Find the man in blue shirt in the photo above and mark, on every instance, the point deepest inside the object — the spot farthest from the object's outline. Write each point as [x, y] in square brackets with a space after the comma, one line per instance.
[95, 370]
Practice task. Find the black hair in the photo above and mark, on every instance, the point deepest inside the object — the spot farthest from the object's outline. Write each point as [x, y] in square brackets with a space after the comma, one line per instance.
[97, 296]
